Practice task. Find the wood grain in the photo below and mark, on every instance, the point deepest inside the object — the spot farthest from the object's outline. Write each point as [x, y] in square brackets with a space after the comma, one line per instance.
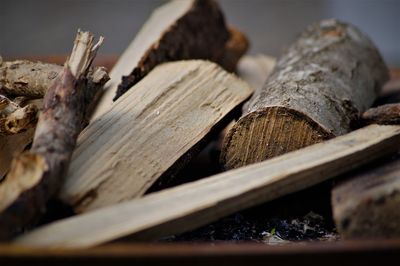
[153, 130]
[191, 205]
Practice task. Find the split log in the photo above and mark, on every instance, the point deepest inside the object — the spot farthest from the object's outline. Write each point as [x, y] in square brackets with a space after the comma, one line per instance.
[366, 204]
[180, 29]
[151, 132]
[35, 176]
[194, 204]
[330, 75]
[388, 114]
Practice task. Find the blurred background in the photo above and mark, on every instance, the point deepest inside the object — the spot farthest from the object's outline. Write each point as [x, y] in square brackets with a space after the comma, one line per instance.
[46, 27]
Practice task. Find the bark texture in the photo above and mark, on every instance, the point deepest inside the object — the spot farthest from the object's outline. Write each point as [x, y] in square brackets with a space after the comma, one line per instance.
[388, 114]
[201, 33]
[366, 205]
[35, 176]
[235, 48]
[320, 86]
[16, 115]
[32, 79]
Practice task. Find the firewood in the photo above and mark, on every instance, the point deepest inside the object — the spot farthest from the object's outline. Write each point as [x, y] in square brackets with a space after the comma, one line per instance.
[330, 75]
[32, 79]
[151, 132]
[194, 204]
[388, 114]
[235, 48]
[180, 29]
[36, 175]
[366, 204]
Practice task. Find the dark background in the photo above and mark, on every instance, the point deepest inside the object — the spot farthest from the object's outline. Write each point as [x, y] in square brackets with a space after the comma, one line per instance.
[47, 27]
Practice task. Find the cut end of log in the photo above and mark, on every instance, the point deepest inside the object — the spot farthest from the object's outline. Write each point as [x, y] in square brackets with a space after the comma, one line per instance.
[278, 129]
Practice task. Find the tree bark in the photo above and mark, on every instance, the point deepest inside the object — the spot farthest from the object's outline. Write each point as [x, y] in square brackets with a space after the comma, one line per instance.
[35, 176]
[388, 114]
[199, 33]
[330, 75]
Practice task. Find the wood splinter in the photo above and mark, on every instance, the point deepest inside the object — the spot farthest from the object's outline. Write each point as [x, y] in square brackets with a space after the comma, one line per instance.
[35, 176]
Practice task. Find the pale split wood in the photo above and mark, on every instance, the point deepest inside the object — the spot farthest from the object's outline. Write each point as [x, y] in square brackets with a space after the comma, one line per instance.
[177, 30]
[151, 130]
[194, 204]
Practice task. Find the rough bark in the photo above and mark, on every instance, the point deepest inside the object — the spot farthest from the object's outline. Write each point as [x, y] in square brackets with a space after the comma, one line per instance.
[235, 48]
[32, 79]
[200, 33]
[366, 204]
[35, 176]
[330, 75]
[388, 114]
[16, 115]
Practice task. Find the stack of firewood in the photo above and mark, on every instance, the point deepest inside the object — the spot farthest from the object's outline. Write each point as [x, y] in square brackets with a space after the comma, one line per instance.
[100, 144]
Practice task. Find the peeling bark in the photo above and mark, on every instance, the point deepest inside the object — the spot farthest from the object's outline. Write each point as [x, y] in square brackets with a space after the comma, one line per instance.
[321, 85]
[35, 176]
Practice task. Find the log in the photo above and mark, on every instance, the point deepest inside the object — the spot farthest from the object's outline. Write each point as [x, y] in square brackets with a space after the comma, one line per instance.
[330, 75]
[194, 204]
[32, 79]
[387, 114]
[36, 175]
[152, 132]
[366, 204]
[180, 29]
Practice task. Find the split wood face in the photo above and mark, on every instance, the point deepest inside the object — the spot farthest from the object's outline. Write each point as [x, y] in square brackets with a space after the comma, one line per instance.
[150, 132]
[330, 75]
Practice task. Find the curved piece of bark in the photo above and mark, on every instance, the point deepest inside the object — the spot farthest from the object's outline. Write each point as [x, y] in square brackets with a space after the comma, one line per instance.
[235, 48]
[35, 176]
[388, 114]
[16, 116]
[330, 75]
